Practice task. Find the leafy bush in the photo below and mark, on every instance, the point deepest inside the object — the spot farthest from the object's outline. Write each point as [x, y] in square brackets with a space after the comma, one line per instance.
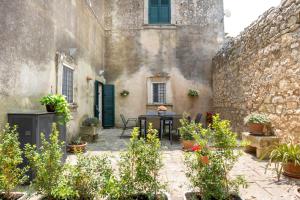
[214, 157]
[11, 174]
[256, 118]
[288, 152]
[193, 93]
[51, 175]
[60, 104]
[188, 128]
[91, 121]
[138, 168]
[90, 176]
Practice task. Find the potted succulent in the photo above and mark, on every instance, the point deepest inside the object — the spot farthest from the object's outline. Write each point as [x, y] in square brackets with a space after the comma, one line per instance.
[11, 174]
[186, 131]
[286, 158]
[256, 123]
[124, 93]
[76, 146]
[208, 168]
[89, 128]
[139, 170]
[193, 93]
[57, 103]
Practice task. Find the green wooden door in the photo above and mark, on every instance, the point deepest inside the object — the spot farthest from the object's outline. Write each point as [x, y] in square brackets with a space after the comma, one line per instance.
[96, 106]
[108, 115]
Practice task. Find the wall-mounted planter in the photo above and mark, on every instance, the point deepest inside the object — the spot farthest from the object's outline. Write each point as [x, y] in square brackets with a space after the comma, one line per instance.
[124, 93]
[193, 93]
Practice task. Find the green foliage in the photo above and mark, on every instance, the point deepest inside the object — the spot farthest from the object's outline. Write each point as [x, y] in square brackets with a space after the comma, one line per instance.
[284, 153]
[124, 93]
[193, 93]
[51, 175]
[256, 118]
[11, 174]
[209, 165]
[60, 104]
[77, 141]
[188, 128]
[91, 176]
[139, 168]
[91, 121]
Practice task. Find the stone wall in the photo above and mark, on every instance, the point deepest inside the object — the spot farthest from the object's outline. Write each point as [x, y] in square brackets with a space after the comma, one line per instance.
[137, 51]
[34, 36]
[259, 71]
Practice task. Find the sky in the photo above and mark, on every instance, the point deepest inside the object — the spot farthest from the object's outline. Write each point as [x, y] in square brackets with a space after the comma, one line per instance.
[244, 12]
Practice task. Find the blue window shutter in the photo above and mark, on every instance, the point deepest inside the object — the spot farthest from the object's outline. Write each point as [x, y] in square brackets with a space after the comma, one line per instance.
[159, 11]
[153, 14]
[164, 13]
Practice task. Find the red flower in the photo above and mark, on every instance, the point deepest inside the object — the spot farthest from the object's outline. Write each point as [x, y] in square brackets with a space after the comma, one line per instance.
[196, 148]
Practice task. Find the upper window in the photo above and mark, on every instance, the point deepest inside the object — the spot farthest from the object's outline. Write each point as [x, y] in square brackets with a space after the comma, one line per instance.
[67, 83]
[159, 93]
[159, 11]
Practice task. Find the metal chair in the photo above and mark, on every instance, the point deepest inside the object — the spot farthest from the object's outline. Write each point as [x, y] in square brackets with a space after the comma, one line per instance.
[175, 126]
[126, 122]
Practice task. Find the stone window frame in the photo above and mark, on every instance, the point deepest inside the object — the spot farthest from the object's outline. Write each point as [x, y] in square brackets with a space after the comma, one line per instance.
[146, 14]
[157, 79]
[64, 60]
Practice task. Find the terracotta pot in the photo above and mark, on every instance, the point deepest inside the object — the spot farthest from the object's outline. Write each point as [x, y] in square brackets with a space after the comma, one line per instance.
[76, 148]
[50, 108]
[256, 129]
[291, 170]
[188, 144]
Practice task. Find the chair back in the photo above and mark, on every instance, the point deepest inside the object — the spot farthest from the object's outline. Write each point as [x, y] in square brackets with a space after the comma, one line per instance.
[123, 119]
[176, 122]
[198, 118]
[154, 120]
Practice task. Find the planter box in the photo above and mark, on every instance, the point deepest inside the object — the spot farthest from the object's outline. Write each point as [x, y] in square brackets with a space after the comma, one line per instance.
[16, 196]
[197, 196]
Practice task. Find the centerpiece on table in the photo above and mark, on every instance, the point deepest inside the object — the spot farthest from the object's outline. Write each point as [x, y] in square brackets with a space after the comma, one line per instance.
[162, 109]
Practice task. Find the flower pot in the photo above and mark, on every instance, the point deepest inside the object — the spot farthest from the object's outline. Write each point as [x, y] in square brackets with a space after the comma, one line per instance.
[291, 170]
[256, 129]
[14, 196]
[50, 108]
[188, 144]
[163, 196]
[197, 196]
[76, 148]
[297, 192]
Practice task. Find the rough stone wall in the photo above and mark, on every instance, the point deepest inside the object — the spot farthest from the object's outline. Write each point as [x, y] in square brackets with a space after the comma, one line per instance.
[32, 32]
[182, 50]
[259, 71]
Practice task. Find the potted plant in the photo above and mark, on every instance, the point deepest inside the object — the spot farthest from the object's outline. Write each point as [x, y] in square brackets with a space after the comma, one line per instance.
[139, 169]
[89, 129]
[11, 174]
[162, 109]
[286, 158]
[124, 93]
[208, 168]
[193, 93]
[76, 146]
[256, 123]
[57, 103]
[50, 173]
[186, 131]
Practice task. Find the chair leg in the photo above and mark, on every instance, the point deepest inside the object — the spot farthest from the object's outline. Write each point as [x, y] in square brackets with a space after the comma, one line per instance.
[124, 129]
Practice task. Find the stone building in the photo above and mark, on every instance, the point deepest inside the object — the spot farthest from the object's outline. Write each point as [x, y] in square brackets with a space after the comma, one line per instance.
[157, 50]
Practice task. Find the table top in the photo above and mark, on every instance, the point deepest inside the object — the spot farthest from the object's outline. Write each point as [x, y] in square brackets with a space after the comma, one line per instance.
[160, 114]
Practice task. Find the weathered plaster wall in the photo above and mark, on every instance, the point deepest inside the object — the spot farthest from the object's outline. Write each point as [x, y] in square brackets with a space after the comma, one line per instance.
[259, 71]
[183, 51]
[32, 32]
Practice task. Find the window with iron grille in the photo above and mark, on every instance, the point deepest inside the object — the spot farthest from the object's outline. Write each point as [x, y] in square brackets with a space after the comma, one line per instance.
[67, 87]
[159, 93]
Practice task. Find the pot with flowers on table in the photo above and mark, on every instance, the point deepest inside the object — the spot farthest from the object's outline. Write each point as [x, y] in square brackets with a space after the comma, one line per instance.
[162, 110]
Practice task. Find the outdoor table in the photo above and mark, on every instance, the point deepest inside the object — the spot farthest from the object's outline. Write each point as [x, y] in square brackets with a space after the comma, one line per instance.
[164, 117]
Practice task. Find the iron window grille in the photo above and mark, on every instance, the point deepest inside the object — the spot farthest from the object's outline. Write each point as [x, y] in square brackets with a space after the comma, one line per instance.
[67, 87]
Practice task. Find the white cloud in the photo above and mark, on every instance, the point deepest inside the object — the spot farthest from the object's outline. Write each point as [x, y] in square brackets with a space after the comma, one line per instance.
[244, 12]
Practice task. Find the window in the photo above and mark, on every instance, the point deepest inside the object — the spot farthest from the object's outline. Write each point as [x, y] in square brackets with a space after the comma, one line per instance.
[159, 93]
[159, 11]
[67, 83]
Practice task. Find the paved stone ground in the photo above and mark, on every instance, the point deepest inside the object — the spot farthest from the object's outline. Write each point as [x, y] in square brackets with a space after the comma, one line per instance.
[262, 186]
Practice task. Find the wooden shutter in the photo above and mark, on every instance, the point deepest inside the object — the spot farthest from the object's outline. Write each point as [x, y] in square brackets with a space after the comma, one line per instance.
[164, 12]
[153, 11]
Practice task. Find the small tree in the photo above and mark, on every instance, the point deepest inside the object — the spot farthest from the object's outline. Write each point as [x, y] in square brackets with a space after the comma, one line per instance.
[214, 157]
[139, 167]
[51, 175]
[11, 174]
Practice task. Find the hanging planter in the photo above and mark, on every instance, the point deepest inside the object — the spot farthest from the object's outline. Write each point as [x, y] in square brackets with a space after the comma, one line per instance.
[193, 93]
[124, 93]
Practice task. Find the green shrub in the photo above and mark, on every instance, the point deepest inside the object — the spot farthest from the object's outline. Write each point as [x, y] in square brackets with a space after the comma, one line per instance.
[91, 121]
[256, 118]
[11, 174]
[51, 175]
[139, 168]
[193, 93]
[60, 104]
[188, 128]
[214, 157]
